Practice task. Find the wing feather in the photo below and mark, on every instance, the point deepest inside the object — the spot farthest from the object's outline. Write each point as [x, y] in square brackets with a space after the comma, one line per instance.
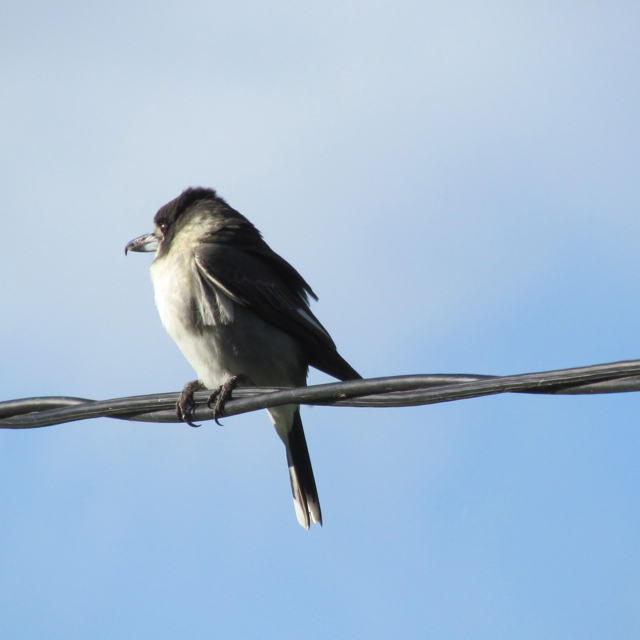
[251, 280]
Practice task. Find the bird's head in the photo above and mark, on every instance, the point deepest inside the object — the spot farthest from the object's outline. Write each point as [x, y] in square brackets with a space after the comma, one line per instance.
[196, 216]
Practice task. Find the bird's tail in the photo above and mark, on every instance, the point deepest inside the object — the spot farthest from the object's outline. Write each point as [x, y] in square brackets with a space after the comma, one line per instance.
[288, 424]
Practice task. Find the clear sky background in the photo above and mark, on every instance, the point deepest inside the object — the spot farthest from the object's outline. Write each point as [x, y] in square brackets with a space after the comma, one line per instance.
[459, 182]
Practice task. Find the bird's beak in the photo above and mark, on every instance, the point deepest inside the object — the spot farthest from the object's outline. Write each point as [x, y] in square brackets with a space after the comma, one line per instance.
[148, 242]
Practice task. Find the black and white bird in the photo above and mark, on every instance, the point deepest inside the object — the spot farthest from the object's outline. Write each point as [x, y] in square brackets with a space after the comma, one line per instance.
[240, 315]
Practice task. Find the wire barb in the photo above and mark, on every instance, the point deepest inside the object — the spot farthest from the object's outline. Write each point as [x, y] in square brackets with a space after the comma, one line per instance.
[394, 391]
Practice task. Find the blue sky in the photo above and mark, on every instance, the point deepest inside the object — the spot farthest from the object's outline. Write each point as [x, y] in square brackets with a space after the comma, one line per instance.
[458, 181]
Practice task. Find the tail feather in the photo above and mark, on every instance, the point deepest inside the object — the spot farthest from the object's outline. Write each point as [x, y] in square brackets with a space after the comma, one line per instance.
[286, 420]
[303, 484]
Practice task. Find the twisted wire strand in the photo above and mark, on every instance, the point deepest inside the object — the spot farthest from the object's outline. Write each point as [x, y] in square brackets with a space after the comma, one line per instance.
[393, 391]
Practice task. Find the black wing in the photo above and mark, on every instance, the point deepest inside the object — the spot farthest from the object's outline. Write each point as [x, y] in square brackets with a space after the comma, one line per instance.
[275, 291]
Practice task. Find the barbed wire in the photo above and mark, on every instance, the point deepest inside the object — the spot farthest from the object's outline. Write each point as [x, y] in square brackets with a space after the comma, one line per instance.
[393, 391]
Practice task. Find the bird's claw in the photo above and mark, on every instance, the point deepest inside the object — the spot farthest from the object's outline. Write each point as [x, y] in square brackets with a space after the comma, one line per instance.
[221, 395]
[186, 405]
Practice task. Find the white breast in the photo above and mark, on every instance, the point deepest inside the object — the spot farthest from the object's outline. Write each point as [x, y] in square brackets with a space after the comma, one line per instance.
[179, 300]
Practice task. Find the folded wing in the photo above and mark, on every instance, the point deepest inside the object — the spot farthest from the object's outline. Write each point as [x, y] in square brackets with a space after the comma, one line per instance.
[273, 289]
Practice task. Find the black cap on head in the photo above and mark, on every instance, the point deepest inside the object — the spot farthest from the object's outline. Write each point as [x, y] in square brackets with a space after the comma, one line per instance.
[171, 211]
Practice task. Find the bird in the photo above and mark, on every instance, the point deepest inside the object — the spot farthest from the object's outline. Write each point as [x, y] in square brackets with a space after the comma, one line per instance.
[240, 315]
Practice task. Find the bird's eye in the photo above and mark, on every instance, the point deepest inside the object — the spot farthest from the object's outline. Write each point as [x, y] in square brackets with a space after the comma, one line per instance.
[164, 227]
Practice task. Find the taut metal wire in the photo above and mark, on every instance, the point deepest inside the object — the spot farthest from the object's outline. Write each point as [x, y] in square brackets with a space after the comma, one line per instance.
[394, 391]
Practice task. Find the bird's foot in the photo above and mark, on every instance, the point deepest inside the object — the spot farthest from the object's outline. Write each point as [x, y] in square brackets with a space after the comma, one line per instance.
[185, 407]
[221, 395]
